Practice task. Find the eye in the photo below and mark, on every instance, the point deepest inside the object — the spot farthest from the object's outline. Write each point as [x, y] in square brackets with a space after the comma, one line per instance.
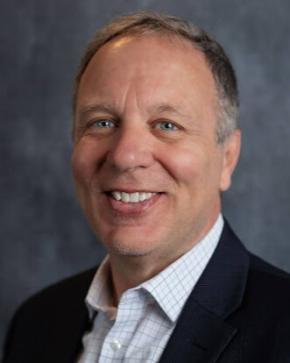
[104, 124]
[167, 126]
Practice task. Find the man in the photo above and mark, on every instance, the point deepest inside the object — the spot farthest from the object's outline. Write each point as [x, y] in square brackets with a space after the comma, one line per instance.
[156, 141]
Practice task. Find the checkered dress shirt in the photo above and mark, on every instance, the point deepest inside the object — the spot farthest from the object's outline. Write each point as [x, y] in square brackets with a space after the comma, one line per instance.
[138, 330]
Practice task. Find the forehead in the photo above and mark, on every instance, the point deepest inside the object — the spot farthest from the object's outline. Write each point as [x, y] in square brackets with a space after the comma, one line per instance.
[161, 66]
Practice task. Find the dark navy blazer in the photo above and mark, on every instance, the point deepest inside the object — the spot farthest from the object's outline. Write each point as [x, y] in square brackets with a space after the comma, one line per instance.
[239, 312]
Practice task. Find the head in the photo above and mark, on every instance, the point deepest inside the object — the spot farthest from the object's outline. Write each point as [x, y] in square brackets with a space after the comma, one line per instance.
[155, 136]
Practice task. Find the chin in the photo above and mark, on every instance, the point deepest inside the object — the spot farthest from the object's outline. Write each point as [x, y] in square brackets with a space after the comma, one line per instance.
[128, 252]
[129, 247]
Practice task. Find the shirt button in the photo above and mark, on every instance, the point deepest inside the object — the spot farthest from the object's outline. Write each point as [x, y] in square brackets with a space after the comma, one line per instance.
[116, 345]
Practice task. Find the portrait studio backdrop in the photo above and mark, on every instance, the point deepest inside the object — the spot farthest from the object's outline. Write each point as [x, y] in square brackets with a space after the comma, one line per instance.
[44, 236]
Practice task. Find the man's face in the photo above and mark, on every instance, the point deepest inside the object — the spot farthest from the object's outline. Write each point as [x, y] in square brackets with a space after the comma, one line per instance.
[147, 166]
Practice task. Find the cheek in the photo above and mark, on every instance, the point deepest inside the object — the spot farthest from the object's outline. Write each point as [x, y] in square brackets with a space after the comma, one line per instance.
[84, 162]
[185, 165]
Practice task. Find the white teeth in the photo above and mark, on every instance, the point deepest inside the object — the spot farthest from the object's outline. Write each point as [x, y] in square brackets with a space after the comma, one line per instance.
[125, 197]
[117, 195]
[142, 196]
[135, 197]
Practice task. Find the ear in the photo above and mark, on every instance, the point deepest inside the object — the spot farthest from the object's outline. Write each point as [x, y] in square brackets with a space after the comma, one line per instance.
[231, 153]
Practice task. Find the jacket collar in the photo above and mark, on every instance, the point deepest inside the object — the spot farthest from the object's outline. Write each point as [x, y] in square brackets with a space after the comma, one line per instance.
[202, 333]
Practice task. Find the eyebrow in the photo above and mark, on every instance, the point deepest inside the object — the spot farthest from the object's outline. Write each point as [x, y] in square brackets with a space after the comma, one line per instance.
[85, 111]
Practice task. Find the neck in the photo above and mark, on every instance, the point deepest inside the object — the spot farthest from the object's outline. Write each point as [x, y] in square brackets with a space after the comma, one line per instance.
[131, 271]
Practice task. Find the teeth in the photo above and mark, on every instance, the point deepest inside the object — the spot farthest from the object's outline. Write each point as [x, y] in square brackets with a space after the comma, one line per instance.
[117, 195]
[125, 197]
[135, 197]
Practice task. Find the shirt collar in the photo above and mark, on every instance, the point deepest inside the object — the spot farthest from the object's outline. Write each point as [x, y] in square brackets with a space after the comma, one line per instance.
[170, 288]
[99, 297]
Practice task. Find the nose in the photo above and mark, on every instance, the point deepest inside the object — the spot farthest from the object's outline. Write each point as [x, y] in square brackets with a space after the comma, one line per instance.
[131, 149]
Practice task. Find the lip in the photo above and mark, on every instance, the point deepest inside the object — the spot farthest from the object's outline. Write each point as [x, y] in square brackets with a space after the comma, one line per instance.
[131, 210]
[130, 190]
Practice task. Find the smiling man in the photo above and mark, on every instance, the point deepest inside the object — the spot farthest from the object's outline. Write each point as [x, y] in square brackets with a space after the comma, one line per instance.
[146, 150]
[156, 141]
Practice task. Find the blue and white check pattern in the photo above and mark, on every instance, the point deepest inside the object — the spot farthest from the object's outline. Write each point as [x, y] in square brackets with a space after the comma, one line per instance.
[138, 330]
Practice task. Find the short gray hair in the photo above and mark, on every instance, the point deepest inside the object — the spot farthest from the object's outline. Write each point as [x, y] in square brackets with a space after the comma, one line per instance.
[145, 23]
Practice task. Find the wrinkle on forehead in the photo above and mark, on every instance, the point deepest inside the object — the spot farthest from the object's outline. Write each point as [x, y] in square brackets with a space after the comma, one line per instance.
[139, 74]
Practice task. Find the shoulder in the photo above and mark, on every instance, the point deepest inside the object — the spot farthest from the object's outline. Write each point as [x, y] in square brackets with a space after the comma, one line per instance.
[261, 277]
[268, 277]
[264, 310]
[52, 303]
[263, 317]
[268, 284]
[264, 289]
[72, 289]
[41, 321]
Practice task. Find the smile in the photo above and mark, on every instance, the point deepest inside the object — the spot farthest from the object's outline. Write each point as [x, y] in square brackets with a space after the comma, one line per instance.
[135, 197]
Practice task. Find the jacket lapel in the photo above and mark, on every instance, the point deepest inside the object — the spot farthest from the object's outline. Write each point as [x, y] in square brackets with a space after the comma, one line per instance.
[202, 332]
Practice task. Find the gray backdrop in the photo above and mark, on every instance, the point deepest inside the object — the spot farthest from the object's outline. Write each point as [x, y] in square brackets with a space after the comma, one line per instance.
[44, 236]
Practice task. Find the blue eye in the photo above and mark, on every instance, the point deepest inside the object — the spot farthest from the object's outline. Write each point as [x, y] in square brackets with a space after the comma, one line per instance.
[104, 124]
[167, 126]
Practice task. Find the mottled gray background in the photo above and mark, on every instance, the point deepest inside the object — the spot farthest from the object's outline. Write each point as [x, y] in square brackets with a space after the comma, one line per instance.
[44, 236]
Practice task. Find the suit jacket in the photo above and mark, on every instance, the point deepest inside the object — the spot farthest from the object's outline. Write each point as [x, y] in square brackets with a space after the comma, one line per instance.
[239, 312]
